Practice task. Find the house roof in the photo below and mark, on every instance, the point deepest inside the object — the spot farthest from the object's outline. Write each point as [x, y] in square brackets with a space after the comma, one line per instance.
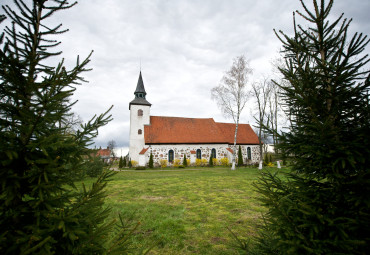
[103, 153]
[230, 150]
[245, 134]
[143, 151]
[175, 130]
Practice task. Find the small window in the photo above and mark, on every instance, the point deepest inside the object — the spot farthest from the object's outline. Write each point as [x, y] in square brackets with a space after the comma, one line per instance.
[249, 154]
[213, 153]
[199, 154]
[139, 132]
[170, 156]
[140, 112]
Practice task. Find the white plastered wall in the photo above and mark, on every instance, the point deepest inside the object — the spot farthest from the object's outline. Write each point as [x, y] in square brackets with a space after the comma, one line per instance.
[137, 142]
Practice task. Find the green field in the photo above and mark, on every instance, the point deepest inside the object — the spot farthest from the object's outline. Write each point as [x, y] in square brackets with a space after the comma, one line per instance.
[188, 211]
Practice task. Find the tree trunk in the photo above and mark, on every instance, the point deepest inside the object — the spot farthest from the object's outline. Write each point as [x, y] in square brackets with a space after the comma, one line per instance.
[234, 150]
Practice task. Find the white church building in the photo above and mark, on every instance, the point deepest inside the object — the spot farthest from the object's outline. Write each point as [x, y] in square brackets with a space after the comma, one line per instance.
[171, 138]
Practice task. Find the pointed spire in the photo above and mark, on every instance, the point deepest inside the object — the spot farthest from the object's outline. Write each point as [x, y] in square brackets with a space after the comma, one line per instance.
[140, 94]
[140, 86]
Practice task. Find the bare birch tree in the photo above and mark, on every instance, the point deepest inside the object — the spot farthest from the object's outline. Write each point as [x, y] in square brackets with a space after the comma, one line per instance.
[261, 91]
[112, 147]
[274, 106]
[231, 94]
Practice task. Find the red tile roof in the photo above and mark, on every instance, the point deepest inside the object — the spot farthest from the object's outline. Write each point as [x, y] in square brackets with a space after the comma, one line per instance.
[232, 151]
[245, 134]
[143, 151]
[103, 153]
[175, 130]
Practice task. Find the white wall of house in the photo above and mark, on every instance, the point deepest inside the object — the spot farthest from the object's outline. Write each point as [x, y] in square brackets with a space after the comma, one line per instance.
[137, 123]
[161, 151]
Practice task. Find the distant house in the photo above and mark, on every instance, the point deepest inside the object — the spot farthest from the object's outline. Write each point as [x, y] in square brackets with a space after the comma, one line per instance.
[105, 154]
[173, 137]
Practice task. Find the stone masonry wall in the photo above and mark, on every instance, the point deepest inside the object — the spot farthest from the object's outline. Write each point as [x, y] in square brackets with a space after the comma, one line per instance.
[161, 151]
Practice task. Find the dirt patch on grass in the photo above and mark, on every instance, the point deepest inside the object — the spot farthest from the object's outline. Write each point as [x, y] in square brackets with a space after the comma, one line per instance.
[152, 198]
[217, 240]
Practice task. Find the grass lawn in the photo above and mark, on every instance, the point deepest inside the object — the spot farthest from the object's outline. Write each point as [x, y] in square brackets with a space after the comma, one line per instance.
[188, 211]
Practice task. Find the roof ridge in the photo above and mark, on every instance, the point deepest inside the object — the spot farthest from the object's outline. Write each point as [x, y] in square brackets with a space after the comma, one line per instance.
[183, 117]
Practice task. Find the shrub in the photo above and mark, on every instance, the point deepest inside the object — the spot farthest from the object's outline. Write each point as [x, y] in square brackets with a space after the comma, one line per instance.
[163, 163]
[188, 161]
[94, 167]
[204, 162]
[176, 162]
[224, 161]
[215, 161]
[198, 162]
[124, 163]
[140, 168]
[134, 163]
[181, 166]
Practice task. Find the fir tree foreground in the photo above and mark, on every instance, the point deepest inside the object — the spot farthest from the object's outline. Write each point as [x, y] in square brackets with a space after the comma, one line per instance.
[41, 211]
[323, 207]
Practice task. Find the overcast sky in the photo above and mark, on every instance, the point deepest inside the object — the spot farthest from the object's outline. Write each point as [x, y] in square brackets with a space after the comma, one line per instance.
[184, 47]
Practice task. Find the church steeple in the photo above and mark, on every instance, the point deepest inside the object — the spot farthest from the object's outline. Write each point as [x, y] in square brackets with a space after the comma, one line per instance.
[140, 90]
[140, 94]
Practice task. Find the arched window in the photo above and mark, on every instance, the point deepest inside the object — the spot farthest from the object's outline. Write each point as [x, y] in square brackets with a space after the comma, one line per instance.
[249, 154]
[140, 112]
[139, 132]
[199, 154]
[213, 153]
[170, 156]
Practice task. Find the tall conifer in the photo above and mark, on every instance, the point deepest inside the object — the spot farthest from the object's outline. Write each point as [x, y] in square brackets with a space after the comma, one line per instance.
[323, 205]
[120, 163]
[184, 161]
[151, 162]
[41, 211]
[240, 157]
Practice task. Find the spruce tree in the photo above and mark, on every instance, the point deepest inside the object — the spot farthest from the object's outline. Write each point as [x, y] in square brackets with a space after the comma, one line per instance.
[124, 163]
[41, 211]
[240, 157]
[120, 163]
[266, 159]
[151, 163]
[185, 162]
[210, 163]
[323, 207]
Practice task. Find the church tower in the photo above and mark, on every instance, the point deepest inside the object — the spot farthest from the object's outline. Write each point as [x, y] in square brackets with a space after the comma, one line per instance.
[139, 116]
